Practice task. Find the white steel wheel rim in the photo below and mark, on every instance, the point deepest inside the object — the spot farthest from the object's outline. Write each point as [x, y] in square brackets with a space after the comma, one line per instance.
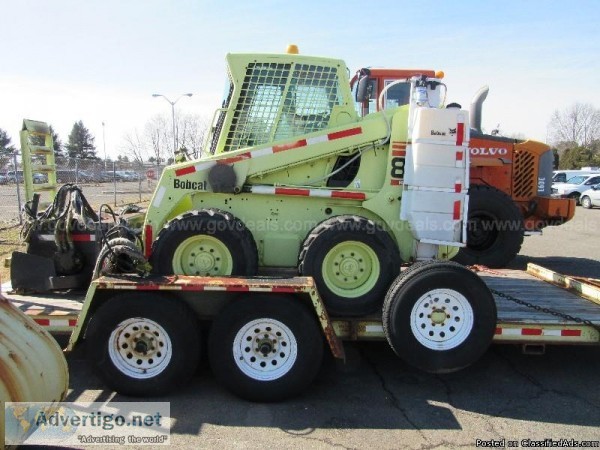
[441, 319]
[140, 348]
[265, 349]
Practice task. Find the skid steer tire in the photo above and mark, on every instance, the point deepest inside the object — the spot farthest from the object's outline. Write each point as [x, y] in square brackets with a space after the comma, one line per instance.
[495, 229]
[439, 317]
[113, 260]
[208, 242]
[353, 263]
[266, 348]
[143, 345]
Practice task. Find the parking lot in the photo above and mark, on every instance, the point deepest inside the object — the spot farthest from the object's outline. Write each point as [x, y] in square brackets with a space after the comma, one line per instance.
[375, 400]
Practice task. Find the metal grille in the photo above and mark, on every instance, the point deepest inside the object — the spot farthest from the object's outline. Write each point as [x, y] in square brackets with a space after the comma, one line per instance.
[280, 101]
[524, 183]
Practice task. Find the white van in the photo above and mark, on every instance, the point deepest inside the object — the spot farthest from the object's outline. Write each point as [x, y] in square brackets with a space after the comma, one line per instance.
[562, 176]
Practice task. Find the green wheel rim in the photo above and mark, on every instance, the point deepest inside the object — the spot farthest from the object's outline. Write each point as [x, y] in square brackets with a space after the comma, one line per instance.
[202, 255]
[351, 269]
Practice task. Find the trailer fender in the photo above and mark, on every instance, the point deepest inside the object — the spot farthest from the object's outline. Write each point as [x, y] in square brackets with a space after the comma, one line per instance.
[104, 287]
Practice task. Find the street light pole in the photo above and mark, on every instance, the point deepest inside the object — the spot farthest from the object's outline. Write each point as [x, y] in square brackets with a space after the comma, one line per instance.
[104, 143]
[173, 116]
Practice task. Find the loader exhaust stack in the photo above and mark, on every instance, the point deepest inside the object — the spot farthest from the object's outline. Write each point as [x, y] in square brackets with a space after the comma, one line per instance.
[475, 111]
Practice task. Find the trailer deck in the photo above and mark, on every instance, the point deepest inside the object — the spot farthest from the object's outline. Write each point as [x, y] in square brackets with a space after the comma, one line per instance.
[556, 315]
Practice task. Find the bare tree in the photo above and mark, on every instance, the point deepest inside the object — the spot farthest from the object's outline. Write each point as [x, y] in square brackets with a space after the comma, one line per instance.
[578, 124]
[156, 142]
[192, 132]
[135, 147]
[159, 136]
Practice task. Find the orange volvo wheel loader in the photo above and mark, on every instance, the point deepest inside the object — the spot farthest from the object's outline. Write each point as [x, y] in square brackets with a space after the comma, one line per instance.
[510, 191]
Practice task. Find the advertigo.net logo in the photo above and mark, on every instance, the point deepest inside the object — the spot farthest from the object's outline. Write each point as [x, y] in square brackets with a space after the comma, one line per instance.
[80, 424]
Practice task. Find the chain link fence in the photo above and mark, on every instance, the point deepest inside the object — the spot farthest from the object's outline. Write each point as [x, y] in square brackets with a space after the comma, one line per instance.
[115, 183]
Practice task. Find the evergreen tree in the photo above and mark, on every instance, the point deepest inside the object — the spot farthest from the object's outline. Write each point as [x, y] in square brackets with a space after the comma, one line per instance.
[5, 143]
[58, 145]
[578, 157]
[81, 143]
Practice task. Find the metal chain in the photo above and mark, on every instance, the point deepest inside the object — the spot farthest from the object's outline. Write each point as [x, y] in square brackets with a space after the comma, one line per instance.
[552, 312]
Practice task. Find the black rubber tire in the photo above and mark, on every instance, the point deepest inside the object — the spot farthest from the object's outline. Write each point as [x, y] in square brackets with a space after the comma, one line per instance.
[495, 229]
[586, 202]
[176, 319]
[339, 229]
[405, 293]
[211, 222]
[299, 319]
[111, 260]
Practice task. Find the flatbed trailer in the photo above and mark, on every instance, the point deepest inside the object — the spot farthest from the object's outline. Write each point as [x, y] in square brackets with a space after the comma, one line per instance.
[535, 308]
[517, 323]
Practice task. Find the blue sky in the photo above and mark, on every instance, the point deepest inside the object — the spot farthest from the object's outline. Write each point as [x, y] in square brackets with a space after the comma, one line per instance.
[100, 60]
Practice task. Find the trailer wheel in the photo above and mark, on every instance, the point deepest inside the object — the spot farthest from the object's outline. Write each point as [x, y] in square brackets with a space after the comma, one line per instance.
[208, 242]
[143, 345]
[352, 261]
[440, 317]
[495, 228]
[586, 202]
[265, 348]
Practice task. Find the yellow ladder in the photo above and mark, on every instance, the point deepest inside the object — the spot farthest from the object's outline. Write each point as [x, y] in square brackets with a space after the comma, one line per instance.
[37, 152]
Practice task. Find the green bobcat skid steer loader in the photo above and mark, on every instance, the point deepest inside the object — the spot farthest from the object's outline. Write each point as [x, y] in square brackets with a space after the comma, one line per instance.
[296, 179]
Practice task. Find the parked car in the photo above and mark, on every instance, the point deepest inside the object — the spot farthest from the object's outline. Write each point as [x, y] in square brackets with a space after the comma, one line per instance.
[591, 197]
[65, 176]
[39, 178]
[127, 175]
[3, 179]
[562, 176]
[12, 177]
[89, 176]
[575, 186]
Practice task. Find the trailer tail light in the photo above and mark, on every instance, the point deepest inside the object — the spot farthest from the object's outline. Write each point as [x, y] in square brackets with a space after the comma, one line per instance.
[148, 240]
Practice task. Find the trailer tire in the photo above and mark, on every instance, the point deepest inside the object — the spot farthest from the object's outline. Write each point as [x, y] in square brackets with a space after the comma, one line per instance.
[495, 229]
[119, 349]
[209, 242]
[353, 261]
[287, 353]
[440, 317]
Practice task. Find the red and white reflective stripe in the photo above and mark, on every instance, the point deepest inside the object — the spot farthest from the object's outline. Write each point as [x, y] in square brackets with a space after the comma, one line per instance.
[395, 182]
[83, 237]
[457, 210]
[271, 150]
[74, 237]
[324, 193]
[538, 332]
[203, 288]
[460, 131]
[460, 157]
[458, 186]
[148, 240]
[399, 149]
[55, 322]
